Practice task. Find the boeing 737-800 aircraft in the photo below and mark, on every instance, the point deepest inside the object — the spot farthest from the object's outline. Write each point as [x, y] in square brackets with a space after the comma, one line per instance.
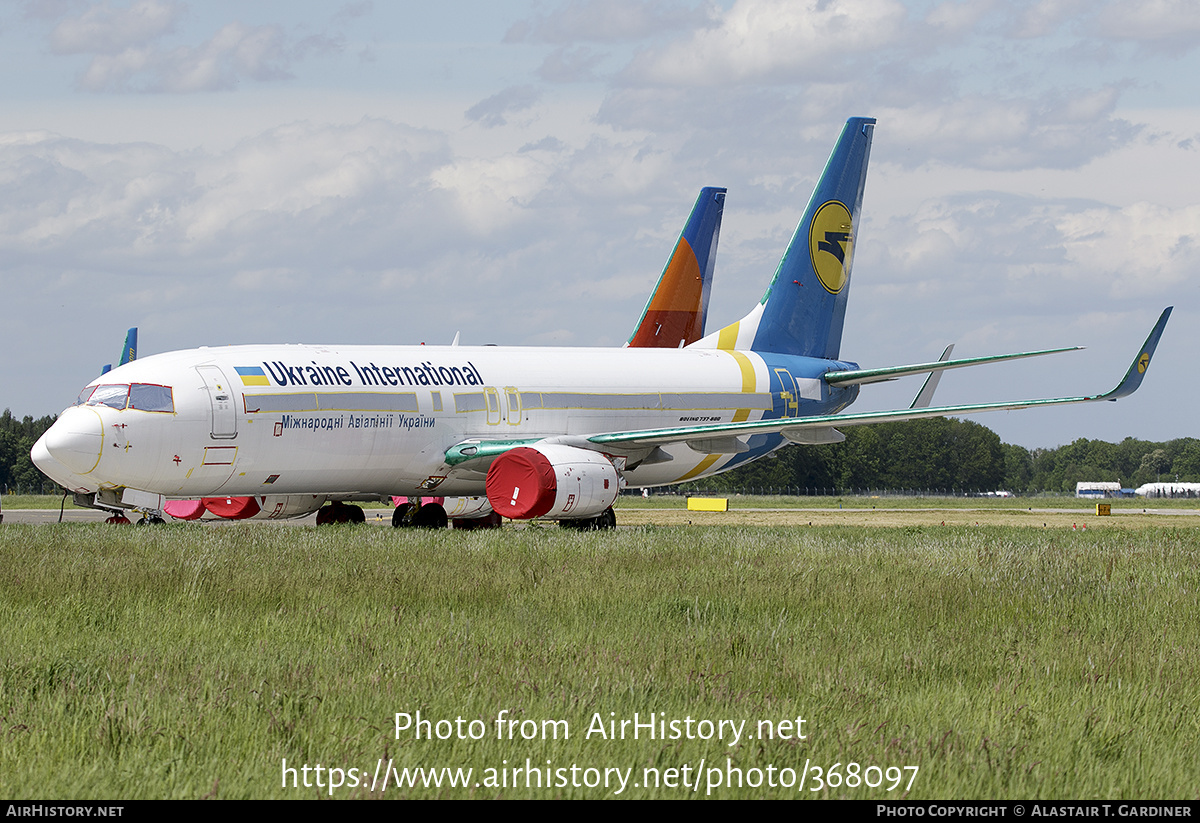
[539, 432]
[674, 316]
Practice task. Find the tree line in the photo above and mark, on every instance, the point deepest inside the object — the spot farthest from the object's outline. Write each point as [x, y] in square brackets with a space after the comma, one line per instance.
[17, 471]
[961, 456]
[941, 453]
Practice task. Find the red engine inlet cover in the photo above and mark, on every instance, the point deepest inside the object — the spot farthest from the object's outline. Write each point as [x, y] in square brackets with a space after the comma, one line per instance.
[232, 508]
[185, 509]
[520, 484]
[553, 481]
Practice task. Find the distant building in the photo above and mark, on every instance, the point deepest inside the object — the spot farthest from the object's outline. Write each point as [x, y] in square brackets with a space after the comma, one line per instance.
[1097, 488]
[1168, 490]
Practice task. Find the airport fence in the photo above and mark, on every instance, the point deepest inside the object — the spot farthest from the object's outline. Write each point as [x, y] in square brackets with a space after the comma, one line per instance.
[831, 491]
[33, 488]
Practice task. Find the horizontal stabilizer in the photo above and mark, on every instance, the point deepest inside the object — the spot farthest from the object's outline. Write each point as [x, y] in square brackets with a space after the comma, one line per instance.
[924, 397]
[863, 376]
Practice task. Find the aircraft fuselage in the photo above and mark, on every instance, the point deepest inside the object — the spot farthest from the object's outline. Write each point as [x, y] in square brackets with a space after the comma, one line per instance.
[363, 421]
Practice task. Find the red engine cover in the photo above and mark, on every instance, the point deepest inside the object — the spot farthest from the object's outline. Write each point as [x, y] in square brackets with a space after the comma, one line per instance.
[520, 484]
[232, 508]
[551, 480]
[185, 509]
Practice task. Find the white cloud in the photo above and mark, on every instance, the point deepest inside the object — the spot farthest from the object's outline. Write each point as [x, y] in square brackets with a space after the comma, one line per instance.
[954, 18]
[1061, 130]
[607, 21]
[135, 49]
[234, 53]
[774, 41]
[495, 110]
[284, 194]
[1137, 249]
[1163, 25]
[103, 29]
[570, 65]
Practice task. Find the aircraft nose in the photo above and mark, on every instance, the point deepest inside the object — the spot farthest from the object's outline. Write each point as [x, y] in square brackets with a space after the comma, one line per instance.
[75, 441]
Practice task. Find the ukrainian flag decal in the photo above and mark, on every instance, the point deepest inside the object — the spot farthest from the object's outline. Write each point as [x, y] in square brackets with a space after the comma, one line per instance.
[252, 376]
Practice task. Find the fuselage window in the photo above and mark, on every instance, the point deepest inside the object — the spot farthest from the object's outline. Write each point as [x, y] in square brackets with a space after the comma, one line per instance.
[113, 396]
[150, 397]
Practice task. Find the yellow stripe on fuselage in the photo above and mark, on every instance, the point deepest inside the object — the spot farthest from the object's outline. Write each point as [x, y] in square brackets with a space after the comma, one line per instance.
[727, 337]
[749, 386]
[749, 381]
[700, 469]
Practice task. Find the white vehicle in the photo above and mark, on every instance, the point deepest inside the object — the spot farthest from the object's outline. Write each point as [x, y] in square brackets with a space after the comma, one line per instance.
[539, 432]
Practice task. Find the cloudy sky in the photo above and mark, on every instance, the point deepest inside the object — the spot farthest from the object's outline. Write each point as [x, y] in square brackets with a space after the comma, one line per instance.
[517, 171]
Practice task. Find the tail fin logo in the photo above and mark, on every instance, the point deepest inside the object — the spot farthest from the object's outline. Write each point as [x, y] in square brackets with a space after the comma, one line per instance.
[830, 243]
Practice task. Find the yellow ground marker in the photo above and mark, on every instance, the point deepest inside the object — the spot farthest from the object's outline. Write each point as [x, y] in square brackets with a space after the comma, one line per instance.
[708, 504]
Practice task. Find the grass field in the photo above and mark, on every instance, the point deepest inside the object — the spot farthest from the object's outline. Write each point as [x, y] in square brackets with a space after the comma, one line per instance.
[956, 662]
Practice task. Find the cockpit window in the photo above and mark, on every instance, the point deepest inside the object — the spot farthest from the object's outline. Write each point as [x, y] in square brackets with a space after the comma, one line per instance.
[141, 396]
[113, 396]
[150, 397]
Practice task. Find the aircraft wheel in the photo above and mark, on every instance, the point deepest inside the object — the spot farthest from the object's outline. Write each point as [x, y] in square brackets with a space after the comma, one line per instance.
[430, 516]
[605, 520]
[339, 512]
[488, 521]
[118, 519]
[608, 519]
[151, 520]
[401, 516]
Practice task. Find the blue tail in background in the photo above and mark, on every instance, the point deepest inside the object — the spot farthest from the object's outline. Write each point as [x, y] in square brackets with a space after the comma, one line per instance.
[128, 354]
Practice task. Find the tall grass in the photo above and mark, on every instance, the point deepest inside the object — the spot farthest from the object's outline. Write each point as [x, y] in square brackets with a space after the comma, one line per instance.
[190, 661]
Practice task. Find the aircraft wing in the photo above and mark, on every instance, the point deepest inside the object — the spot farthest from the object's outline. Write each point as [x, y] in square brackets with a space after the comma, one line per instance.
[658, 437]
[812, 429]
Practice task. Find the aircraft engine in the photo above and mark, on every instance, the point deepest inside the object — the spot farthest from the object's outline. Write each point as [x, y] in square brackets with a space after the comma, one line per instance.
[232, 508]
[467, 507]
[287, 506]
[553, 481]
[267, 507]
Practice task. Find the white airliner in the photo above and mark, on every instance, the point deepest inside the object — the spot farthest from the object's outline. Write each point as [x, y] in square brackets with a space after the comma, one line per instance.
[527, 432]
[674, 316]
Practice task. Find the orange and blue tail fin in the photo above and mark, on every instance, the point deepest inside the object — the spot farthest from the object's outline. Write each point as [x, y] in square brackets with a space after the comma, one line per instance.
[676, 312]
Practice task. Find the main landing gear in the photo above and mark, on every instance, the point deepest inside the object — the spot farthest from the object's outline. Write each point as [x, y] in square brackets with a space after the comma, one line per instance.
[428, 516]
[605, 520]
[492, 520]
[338, 512]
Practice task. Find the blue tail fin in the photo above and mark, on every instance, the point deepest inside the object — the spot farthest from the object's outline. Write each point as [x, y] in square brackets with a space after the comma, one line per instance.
[129, 353]
[804, 308]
